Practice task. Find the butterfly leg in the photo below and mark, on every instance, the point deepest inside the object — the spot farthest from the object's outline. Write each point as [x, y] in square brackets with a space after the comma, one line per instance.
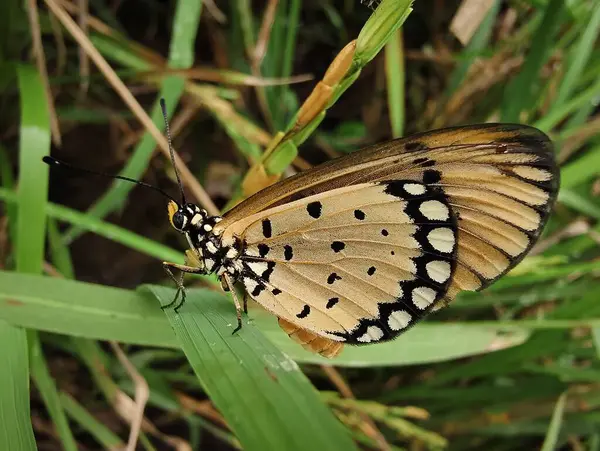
[238, 309]
[179, 282]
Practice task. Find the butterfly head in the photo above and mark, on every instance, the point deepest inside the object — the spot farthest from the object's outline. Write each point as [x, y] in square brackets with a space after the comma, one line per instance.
[184, 218]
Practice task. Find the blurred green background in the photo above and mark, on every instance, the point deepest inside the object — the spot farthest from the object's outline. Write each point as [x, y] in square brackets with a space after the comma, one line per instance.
[95, 364]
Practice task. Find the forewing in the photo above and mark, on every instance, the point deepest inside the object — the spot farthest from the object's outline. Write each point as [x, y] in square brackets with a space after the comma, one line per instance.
[500, 182]
[357, 264]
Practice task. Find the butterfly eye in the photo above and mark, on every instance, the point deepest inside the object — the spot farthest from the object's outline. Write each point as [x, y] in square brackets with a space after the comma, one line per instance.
[179, 220]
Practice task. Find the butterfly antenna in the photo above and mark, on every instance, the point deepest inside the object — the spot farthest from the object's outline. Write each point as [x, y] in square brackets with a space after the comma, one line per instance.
[163, 107]
[53, 162]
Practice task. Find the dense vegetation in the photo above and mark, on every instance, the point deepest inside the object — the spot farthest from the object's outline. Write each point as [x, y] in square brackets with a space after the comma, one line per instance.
[514, 367]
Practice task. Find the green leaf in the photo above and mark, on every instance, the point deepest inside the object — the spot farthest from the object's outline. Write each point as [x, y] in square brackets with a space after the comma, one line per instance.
[33, 174]
[520, 93]
[94, 427]
[15, 418]
[550, 442]
[394, 71]
[93, 311]
[580, 54]
[265, 398]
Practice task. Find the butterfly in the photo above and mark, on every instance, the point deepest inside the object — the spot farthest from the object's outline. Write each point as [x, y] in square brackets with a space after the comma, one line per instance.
[359, 249]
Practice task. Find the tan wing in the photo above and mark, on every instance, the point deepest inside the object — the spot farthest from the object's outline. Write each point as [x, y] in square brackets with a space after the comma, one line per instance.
[501, 182]
[357, 264]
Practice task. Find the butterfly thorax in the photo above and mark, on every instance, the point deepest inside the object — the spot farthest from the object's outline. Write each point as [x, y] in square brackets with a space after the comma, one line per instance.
[204, 237]
[214, 255]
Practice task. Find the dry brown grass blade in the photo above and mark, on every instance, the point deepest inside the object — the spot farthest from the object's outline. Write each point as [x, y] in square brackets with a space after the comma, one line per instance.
[142, 393]
[467, 19]
[206, 97]
[40, 61]
[367, 425]
[580, 137]
[257, 54]
[215, 12]
[230, 78]
[113, 79]
[203, 408]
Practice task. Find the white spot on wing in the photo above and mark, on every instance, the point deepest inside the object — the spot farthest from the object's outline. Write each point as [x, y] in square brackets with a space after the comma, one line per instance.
[434, 210]
[416, 189]
[258, 267]
[438, 270]
[373, 333]
[441, 239]
[399, 320]
[250, 284]
[252, 252]
[209, 263]
[207, 227]
[228, 241]
[231, 253]
[422, 297]
[210, 247]
[196, 219]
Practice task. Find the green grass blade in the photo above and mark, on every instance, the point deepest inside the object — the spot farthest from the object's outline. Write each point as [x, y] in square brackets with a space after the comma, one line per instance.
[106, 229]
[91, 425]
[550, 442]
[15, 418]
[47, 388]
[31, 223]
[33, 174]
[82, 310]
[61, 257]
[521, 91]
[580, 55]
[582, 169]
[93, 311]
[394, 71]
[265, 398]
[579, 203]
[582, 100]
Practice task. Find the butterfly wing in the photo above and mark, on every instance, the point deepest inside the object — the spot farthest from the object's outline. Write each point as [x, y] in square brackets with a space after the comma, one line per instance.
[355, 264]
[501, 181]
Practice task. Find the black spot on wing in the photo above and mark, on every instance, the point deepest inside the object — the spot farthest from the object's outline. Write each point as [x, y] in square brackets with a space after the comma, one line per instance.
[384, 232]
[431, 176]
[288, 252]
[258, 289]
[267, 273]
[337, 246]
[263, 249]
[395, 189]
[332, 278]
[276, 291]
[359, 214]
[267, 229]
[371, 270]
[314, 209]
[304, 313]
[331, 302]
